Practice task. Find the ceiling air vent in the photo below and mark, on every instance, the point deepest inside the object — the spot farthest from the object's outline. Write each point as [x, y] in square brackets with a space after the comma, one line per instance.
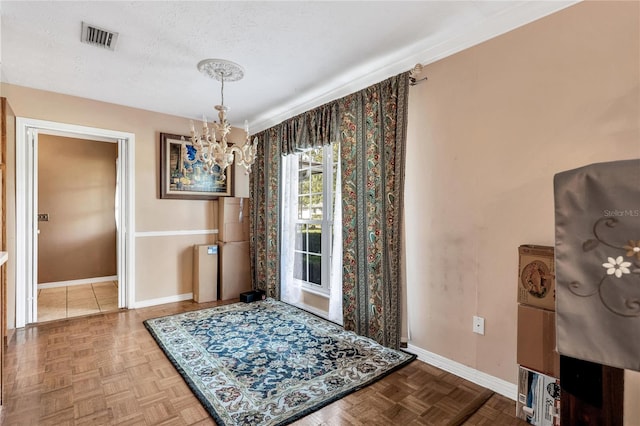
[99, 36]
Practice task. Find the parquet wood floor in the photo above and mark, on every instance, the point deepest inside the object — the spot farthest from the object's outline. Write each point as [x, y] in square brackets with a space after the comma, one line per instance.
[107, 370]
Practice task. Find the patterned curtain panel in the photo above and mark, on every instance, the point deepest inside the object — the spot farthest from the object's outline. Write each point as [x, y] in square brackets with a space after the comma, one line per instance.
[373, 127]
[264, 202]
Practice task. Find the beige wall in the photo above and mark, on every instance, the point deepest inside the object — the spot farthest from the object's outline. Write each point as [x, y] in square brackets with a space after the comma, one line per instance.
[631, 398]
[169, 263]
[76, 188]
[158, 260]
[487, 132]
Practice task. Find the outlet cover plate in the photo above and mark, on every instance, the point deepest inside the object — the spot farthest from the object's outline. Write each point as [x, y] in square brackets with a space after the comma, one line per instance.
[478, 325]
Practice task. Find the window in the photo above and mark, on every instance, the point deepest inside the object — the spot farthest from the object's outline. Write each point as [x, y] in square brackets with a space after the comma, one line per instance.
[309, 198]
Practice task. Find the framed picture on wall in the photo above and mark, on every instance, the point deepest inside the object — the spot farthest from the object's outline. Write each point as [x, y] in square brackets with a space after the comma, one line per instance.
[181, 180]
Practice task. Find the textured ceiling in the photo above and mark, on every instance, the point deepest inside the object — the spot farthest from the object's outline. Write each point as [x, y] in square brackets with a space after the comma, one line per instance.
[296, 55]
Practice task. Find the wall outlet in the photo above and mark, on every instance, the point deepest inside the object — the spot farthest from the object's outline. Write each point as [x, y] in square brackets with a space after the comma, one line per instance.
[478, 325]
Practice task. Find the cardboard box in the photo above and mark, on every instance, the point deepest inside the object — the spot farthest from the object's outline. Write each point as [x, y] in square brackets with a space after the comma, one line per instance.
[538, 398]
[536, 277]
[235, 269]
[537, 340]
[233, 219]
[205, 273]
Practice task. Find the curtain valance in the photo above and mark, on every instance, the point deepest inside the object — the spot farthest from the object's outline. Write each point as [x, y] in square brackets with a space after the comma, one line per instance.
[311, 129]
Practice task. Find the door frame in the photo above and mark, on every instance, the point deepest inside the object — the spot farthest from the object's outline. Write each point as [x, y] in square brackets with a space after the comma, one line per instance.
[27, 130]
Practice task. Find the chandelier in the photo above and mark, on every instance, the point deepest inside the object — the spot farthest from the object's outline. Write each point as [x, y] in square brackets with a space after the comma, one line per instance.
[211, 148]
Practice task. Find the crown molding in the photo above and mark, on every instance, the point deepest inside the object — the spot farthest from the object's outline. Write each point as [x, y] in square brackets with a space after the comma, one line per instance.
[423, 52]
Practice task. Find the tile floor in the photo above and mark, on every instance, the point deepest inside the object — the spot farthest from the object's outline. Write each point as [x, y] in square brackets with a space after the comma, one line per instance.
[73, 301]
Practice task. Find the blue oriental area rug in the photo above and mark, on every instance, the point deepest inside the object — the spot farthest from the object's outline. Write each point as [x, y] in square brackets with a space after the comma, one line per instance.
[268, 363]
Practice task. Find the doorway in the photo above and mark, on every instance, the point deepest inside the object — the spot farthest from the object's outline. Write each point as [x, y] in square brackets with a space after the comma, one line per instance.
[77, 232]
[28, 132]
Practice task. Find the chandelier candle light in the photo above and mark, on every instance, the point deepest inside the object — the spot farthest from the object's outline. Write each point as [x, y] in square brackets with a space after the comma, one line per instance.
[211, 147]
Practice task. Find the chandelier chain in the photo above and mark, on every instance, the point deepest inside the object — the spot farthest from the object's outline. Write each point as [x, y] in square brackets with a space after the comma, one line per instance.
[222, 88]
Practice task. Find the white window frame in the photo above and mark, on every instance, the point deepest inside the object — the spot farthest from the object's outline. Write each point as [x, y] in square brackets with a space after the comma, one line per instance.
[326, 225]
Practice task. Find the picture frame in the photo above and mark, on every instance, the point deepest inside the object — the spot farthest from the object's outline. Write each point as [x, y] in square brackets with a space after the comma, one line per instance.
[179, 181]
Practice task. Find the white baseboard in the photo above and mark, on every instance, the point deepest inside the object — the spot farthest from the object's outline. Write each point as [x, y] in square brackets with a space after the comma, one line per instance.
[162, 300]
[77, 282]
[510, 390]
